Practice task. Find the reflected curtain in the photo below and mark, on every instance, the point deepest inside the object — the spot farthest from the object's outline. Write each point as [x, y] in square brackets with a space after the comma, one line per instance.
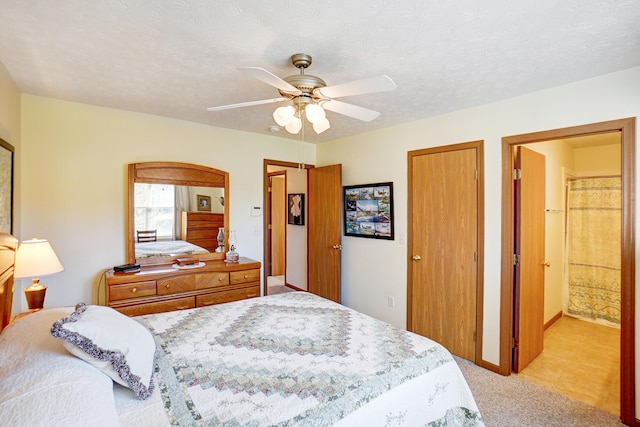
[182, 203]
[594, 223]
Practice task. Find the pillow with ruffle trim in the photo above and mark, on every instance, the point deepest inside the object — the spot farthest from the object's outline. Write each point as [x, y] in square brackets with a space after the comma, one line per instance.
[112, 342]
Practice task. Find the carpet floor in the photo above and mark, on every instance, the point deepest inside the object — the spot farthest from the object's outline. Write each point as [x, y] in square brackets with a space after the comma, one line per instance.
[513, 401]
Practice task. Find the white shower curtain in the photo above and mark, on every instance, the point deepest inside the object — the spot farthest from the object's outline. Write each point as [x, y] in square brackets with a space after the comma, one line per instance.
[594, 224]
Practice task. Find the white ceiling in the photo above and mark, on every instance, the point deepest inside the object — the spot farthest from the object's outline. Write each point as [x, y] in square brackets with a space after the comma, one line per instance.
[175, 58]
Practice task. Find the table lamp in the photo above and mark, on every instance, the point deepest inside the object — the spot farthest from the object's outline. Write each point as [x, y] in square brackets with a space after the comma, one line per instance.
[35, 258]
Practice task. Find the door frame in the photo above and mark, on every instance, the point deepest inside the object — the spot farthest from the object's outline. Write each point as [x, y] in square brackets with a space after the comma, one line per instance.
[479, 147]
[627, 327]
[266, 202]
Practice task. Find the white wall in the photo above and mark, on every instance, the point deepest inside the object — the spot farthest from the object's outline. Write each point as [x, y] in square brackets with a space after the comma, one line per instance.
[367, 280]
[296, 274]
[559, 156]
[74, 181]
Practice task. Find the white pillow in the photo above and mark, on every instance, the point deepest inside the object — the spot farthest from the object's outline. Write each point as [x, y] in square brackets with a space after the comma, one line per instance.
[112, 342]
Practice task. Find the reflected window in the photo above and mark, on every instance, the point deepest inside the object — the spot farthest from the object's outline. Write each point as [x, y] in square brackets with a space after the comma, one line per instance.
[154, 209]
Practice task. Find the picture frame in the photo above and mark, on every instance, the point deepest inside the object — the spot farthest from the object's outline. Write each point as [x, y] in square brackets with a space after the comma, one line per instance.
[6, 186]
[368, 210]
[204, 203]
[295, 209]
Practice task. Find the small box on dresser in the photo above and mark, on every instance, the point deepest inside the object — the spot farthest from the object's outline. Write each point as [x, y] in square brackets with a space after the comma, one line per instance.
[156, 289]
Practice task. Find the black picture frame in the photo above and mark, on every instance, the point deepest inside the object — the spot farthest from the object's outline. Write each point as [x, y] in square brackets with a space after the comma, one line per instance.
[295, 209]
[368, 210]
[6, 186]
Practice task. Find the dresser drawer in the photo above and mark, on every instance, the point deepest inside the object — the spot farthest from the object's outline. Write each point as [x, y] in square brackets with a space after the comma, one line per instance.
[227, 296]
[158, 307]
[175, 285]
[211, 280]
[244, 276]
[132, 290]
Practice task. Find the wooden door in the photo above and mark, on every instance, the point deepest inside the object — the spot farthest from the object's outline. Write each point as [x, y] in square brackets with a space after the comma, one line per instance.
[324, 231]
[529, 246]
[443, 246]
[278, 221]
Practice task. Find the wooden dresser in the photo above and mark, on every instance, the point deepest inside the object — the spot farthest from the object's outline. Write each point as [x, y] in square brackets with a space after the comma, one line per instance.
[201, 228]
[156, 289]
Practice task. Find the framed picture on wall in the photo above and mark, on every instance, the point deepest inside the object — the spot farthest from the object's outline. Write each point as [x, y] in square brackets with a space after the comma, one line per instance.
[368, 210]
[204, 203]
[295, 209]
[6, 187]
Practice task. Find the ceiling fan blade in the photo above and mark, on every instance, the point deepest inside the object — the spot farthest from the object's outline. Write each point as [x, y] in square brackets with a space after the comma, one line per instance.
[357, 87]
[350, 110]
[270, 79]
[246, 104]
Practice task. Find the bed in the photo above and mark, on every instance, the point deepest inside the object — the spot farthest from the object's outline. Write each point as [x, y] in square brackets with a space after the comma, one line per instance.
[286, 359]
[169, 248]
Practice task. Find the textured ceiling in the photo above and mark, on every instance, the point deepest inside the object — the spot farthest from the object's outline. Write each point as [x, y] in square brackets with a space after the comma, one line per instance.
[175, 58]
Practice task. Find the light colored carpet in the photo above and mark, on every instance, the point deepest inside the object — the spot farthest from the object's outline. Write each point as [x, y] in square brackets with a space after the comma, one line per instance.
[275, 285]
[513, 401]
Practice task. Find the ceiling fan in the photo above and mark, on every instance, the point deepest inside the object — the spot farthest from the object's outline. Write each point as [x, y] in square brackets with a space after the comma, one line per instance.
[310, 96]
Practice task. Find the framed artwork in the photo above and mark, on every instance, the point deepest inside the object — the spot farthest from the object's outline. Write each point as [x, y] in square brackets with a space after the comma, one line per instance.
[204, 203]
[6, 187]
[368, 210]
[295, 210]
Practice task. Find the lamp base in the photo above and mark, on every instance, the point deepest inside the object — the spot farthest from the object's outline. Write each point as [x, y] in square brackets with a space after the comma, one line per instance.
[35, 295]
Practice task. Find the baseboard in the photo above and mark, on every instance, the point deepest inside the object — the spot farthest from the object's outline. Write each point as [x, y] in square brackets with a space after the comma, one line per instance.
[489, 366]
[553, 320]
[295, 288]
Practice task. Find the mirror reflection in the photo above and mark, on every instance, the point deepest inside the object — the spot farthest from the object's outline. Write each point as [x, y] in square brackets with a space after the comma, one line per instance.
[164, 217]
[176, 210]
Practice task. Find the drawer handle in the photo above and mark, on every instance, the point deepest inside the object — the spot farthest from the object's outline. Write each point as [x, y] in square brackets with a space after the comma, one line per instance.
[220, 279]
[167, 286]
[246, 276]
[134, 290]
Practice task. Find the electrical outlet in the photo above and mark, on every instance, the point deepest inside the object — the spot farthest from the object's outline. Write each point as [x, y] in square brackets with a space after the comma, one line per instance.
[391, 302]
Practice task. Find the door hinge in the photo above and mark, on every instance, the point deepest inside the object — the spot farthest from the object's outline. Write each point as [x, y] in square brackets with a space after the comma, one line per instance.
[516, 259]
[476, 174]
[268, 226]
[475, 257]
[268, 189]
[517, 174]
[475, 334]
[514, 343]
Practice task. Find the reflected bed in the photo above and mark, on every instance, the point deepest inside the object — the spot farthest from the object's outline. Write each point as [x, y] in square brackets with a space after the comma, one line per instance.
[168, 248]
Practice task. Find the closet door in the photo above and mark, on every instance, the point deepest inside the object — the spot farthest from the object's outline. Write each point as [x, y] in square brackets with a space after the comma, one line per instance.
[443, 246]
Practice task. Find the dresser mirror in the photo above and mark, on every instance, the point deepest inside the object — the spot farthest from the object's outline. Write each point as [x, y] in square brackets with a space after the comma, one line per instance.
[176, 210]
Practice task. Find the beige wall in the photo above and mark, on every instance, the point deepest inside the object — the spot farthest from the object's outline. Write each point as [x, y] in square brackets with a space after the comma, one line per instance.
[368, 280]
[74, 182]
[10, 132]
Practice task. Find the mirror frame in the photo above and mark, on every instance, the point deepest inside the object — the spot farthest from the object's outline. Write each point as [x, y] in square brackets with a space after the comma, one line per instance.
[175, 173]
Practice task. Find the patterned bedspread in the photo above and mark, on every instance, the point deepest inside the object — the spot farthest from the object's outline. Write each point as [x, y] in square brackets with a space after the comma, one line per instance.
[298, 359]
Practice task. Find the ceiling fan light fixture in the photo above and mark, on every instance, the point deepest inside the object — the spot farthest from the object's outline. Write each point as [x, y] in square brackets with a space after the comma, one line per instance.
[294, 125]
[321, 126]
[315, 113]
[283, 115]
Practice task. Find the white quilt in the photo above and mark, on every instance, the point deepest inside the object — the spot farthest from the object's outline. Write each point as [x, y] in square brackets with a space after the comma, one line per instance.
[297, 359]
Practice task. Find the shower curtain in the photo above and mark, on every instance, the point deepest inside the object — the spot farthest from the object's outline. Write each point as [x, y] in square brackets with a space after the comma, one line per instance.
[594, 221]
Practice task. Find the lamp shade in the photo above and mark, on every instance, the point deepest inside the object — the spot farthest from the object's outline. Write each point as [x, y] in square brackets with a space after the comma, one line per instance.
[36, 258]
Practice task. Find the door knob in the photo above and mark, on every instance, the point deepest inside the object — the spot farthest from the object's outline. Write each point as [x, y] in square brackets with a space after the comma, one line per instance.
[339, 247]
[416, 258]
[546, 264]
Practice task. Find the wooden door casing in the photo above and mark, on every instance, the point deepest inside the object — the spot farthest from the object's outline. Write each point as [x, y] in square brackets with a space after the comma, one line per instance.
[529, 269]
[324, 212]
[445, 235]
